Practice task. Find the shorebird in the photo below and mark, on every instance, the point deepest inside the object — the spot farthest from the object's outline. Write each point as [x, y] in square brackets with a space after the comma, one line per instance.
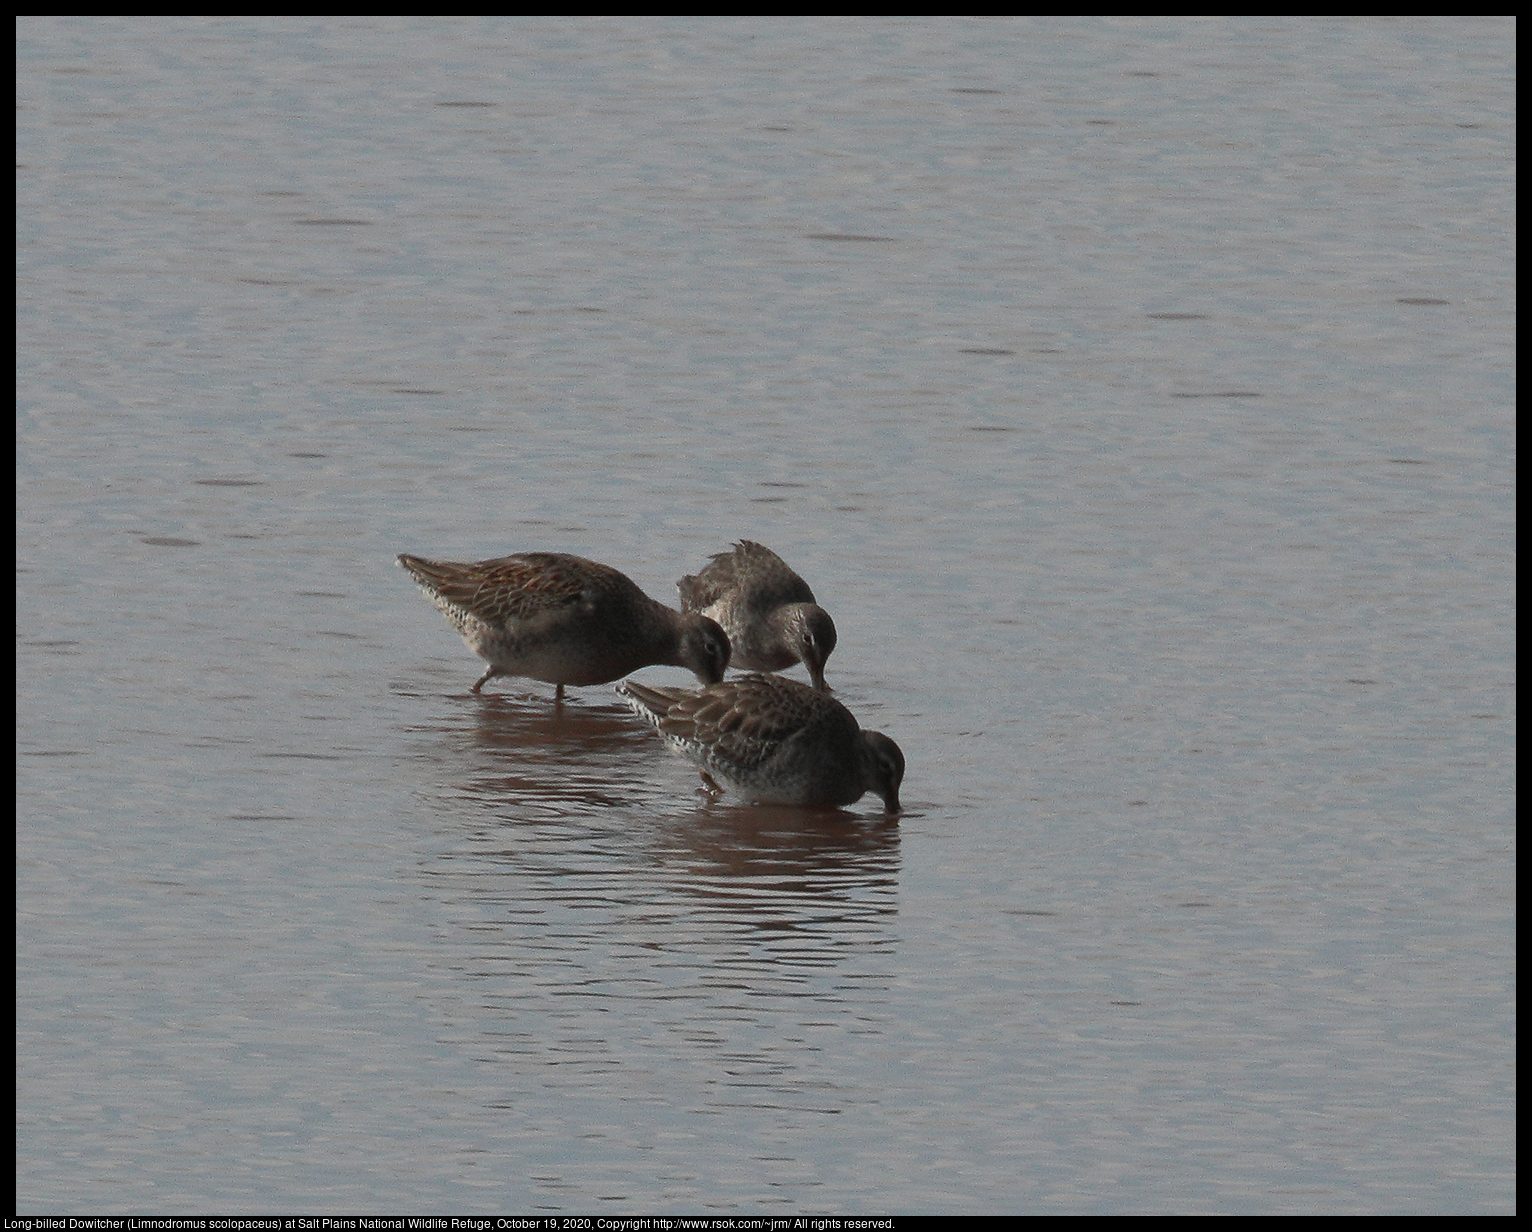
[565, 620]
[772, 741]
[767, 610]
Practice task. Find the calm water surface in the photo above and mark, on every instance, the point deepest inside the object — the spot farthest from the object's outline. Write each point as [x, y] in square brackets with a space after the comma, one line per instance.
[1138, 396]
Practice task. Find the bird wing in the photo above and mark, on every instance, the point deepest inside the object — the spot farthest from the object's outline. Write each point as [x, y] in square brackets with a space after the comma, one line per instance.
[746, 719]
[747, 569]
[516, 588]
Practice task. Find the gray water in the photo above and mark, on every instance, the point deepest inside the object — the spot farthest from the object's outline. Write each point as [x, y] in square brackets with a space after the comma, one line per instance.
[1138, 397]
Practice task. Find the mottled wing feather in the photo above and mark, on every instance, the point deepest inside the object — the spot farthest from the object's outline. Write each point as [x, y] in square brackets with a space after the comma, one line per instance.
[700, 591]
[516, 588]
[743, 720]
[748, 568]
[656, 701]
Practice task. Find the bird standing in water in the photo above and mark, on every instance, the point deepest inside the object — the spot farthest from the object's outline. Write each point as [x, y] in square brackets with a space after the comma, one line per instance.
[773, 741]
[565, 620]
[767, 610]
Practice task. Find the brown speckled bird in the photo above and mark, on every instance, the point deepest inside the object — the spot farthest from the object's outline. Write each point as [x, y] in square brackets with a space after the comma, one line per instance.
[773, 741]
[767, 610]
[565, 620]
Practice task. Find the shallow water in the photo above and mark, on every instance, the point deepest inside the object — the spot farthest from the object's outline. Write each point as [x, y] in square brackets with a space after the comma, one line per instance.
[1137, 396]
